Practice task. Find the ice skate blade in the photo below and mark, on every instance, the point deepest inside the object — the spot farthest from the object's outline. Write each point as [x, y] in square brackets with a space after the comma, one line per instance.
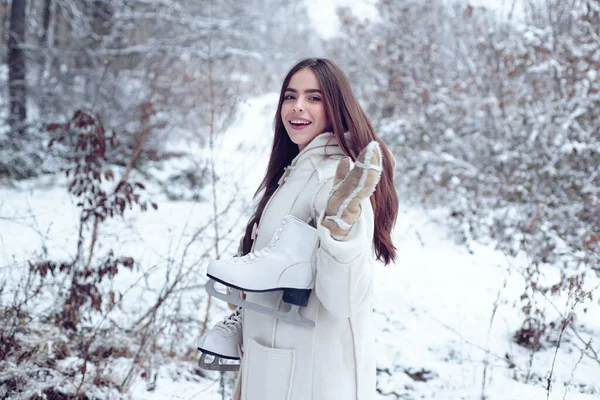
[216, 365]
[292, 316]
[212, 353]
[296, 290]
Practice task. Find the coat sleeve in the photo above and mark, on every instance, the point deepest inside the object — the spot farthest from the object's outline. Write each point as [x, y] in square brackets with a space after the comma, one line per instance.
[344, 279]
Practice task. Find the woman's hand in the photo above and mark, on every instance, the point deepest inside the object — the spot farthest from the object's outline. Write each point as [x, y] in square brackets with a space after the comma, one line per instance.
[350, 188]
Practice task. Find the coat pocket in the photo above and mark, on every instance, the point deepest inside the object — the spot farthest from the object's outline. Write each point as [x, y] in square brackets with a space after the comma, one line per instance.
[268, 372]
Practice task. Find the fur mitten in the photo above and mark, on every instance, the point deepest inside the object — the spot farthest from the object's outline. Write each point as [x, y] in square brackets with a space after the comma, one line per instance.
[350, 188]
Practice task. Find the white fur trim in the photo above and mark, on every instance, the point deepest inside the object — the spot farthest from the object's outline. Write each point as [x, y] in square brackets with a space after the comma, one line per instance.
[343, 225]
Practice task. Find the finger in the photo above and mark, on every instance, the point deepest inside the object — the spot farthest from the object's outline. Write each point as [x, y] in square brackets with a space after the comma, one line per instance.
[343, 168]
[371, 155]
[375, 162]
[364, 177]
[368, 166]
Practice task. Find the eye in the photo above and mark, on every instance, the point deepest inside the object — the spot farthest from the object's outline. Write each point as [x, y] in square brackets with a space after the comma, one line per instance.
[288, 97]
[314, 98]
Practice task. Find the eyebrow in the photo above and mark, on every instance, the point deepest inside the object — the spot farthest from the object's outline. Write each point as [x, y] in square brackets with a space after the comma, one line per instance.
[306, 91]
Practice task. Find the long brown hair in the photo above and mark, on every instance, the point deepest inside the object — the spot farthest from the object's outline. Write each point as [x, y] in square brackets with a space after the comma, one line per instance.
[345, 115]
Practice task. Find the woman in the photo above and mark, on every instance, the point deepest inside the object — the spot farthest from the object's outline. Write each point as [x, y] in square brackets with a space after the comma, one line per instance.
[319, 125]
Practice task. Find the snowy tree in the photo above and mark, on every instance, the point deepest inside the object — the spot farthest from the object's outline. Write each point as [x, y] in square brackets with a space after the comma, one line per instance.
[501, 115]
[112, 57]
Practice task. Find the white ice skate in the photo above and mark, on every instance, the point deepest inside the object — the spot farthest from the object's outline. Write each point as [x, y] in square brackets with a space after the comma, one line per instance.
[287, 263]
[221, 343]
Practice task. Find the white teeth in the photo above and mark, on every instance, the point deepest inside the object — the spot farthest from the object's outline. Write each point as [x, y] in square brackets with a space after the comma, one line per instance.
[299, 121]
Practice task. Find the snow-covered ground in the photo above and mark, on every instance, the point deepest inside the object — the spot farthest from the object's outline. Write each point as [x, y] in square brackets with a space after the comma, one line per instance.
[435, 312]
[445, 314]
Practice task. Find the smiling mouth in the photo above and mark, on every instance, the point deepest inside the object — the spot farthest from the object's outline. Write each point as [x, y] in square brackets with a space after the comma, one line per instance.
[299, 123]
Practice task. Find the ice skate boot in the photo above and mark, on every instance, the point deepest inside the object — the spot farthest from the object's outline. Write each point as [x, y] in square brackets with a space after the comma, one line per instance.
[221, 343]
[287, 263]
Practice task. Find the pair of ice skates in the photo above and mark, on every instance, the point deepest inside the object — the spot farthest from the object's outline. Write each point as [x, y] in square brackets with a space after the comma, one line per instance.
[287, 263]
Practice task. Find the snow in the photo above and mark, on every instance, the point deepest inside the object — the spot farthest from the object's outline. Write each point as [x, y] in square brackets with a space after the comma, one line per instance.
[435, 310]
[444, 312]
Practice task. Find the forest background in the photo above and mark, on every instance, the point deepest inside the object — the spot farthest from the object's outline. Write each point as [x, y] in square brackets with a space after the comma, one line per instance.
[493, 116]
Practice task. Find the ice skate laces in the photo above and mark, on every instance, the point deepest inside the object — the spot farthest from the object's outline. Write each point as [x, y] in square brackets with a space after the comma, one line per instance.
[265, 250]
[233, 321]
[255, 254]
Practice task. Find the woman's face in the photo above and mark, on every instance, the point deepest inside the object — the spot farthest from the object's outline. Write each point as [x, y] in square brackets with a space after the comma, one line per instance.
[303, 110]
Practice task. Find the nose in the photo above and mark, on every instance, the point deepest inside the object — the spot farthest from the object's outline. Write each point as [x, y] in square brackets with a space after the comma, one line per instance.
[298, 106]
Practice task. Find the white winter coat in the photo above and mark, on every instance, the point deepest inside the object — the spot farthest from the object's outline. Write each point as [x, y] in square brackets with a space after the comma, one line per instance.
[336, 359]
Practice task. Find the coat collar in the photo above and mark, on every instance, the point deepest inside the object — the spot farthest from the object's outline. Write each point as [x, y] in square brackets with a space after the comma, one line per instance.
[325, 145]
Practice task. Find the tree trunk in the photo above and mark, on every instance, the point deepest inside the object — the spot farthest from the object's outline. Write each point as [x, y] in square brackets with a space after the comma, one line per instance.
[46, 65]
[46, 22]
[16, 70]
[3, 20]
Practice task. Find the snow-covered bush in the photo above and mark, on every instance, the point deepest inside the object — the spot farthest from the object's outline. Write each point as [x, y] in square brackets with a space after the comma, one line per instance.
[496, 122]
